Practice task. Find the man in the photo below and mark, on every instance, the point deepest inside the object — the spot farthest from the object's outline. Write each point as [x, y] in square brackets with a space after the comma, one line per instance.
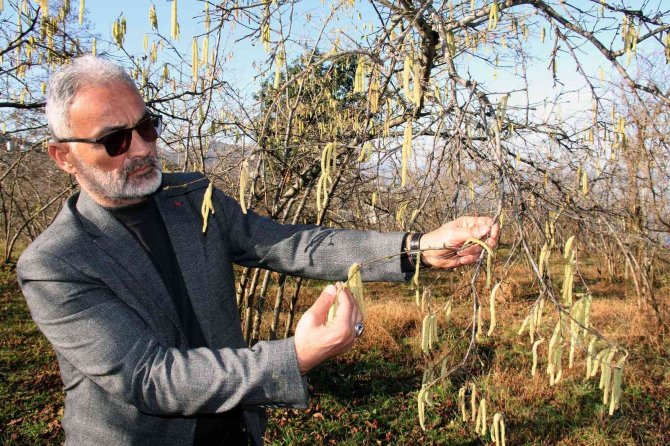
[138, 302]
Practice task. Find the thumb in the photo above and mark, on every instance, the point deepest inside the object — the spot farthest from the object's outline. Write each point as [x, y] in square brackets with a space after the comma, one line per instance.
[324, 302]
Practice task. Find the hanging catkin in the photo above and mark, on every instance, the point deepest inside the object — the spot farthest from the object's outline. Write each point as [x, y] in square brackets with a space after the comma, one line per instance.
[482, 416]
[207, 206]
[195, 61]
[544, 257]
[492, 309]
[417, 94]
[606, 374]
[590, 356]
[406, 151]
[359, 78]
[493, 16]
[554, 345]
[244, 176]
[615, 398]
[425, 334]
[406, 74]
[374, 95]
[461, 403]
[328, 161]
[355, 284]
[415, 279]
[279, 64]
[174, 24]
[498, 430]
[421, 407]
[473, 402]
[536, 344]
[205, 51]
[489, 255]
[153, 17]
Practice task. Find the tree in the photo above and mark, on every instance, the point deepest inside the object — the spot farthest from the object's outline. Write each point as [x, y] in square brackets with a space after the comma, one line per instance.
[419, 112]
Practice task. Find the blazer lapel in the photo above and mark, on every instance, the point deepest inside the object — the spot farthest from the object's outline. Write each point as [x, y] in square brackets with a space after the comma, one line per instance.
[185, 230]
[115, 240]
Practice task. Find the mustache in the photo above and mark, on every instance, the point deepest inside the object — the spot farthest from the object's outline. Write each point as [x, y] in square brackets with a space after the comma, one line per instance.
[138, 163]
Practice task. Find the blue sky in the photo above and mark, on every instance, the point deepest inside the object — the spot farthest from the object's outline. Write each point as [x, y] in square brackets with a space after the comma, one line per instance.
[243, 54]
[247, 56]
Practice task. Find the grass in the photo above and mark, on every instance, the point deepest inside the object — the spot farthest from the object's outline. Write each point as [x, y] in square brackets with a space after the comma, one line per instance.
[30, 386]
[368, 396]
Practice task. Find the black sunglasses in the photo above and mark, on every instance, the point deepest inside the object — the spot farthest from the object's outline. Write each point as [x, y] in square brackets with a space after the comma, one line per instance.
[118, 142]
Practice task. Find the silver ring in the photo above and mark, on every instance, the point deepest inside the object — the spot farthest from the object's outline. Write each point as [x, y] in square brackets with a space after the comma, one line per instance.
[359, 328]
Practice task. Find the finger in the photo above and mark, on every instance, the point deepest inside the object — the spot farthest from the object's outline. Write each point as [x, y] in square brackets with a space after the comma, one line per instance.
[471, 221]
[351, 304]
[441, 254]
[319, 310]
[482, 221]
[345, 304]
[467, 260]
[448, 263]
[472, 250]
[492, 241]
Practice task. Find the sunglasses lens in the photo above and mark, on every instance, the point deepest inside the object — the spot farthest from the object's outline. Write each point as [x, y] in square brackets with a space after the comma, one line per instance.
[118, 142]
[149, 129]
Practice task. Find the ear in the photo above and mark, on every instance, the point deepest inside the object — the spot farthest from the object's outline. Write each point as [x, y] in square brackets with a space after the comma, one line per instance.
[61, 154]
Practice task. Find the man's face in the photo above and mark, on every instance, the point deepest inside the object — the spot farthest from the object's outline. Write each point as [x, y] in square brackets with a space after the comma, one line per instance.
[111, 181]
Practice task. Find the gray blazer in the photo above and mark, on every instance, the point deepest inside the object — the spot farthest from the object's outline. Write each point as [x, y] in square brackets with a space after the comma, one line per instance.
[129, 375]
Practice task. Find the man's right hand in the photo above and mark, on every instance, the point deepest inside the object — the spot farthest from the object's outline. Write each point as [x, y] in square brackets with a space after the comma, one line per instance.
[317, 339]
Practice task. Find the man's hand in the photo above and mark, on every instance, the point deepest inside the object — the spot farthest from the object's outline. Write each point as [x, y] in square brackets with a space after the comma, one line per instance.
[316, 339]
[448, 239]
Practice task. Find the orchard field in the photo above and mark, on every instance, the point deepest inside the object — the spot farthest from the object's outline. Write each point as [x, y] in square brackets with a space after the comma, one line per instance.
[369, 395]
[396, 115]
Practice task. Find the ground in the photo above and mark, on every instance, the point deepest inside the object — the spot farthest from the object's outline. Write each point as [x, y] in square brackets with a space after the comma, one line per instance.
[369, 395]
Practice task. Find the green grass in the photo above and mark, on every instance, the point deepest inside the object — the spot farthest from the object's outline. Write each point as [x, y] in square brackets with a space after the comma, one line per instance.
[368, 397]
[30, 386]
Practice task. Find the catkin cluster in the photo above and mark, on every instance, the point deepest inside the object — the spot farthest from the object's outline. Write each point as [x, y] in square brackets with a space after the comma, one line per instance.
[578, 315]
[478, 416]
[630, 36]
[119, 31]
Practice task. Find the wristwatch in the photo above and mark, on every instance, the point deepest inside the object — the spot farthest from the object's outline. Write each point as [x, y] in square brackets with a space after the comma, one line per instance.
[412, 246]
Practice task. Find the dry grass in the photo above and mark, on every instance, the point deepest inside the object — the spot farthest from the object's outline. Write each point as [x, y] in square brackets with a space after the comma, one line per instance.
[368, 395]
[386, 323]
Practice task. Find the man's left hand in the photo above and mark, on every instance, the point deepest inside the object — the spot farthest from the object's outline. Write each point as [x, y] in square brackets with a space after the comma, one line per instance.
[449, 238]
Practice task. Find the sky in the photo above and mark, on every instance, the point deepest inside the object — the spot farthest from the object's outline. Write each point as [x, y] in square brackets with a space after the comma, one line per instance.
[247, 57]
[241, 72]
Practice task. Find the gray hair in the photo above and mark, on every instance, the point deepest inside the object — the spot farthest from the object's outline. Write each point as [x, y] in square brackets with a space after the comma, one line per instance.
[65, 83]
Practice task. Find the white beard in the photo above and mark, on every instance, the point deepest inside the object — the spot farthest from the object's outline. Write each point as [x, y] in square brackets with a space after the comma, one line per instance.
[121, 187]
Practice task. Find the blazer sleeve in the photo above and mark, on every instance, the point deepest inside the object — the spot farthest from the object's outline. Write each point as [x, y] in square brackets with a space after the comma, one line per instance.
[308, 250]
[109, 342]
